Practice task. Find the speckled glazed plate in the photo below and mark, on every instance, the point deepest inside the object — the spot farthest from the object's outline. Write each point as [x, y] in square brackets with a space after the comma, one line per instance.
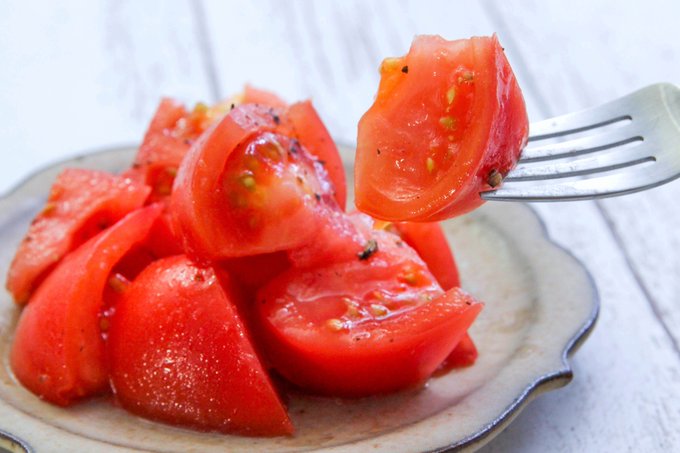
[540, 304]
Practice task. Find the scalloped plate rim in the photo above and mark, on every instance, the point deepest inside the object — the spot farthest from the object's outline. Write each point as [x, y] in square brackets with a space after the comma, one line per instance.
[540, 384]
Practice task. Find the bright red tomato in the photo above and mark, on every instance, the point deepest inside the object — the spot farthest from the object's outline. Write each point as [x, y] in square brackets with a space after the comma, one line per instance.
[256, 270]
[245, 189]
[448, 122]
[376, 324]
[171, 133]
[81, 204]
[58, 350]
[180, 354]
[306, 126]
[252, 95]
[429, 240]
[464, 354]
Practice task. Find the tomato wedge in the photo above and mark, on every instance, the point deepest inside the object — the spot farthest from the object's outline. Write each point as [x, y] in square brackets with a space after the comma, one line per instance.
[429, 241]
[171, 133]
[180, 354]
[245, 189]
[368, 326]
[252, 95]
[306, 125]
[448, 122]
[81, 204]
[58, 350]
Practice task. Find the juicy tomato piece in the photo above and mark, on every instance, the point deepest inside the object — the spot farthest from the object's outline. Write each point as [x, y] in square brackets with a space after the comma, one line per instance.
[302, 122]
[171, 133]
[245, 189]
[205, 374]
[252, 95]
[307, 127]
[58, 350]
[81, 204]
[429, 240]
[368, 326]
[256, 270]
[339, 238]
[464, 354]
[162, 240]
[448, 122]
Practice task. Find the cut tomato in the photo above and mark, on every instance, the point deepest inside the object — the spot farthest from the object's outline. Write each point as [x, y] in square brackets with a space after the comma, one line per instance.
[464, 354]
[448, 122]
[252, 95]
[339, 237]
[180, 354]
[245, 189]
[58, 350]
[429, 241]
[307, 127]
[377, 324]
[256, 270]
[171, 133]
[81, 204]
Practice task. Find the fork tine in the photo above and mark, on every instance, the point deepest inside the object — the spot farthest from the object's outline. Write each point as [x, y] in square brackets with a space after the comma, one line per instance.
[612, 112]
[582, 145]
[617, 182]
[572, 123]
[618, 157]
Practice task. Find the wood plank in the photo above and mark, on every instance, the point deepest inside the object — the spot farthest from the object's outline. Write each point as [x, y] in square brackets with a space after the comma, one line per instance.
[78, 77]
[613, 363]
[626, 391]
[328, 51]
[634, 47]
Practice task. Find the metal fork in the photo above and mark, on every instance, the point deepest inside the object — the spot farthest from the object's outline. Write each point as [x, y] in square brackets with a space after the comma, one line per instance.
[632, 144]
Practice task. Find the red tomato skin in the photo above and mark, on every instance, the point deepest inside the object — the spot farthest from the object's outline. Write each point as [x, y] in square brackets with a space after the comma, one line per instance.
[378, 365]
[492, 132]
[162, 240]
[429, 240]
[81, 203]
[199, 203]
[390, 354]
[206, 375]
[162, 150]
[256, 270]
[308, 128]
[58, 350]
[463, 355]
[339, 238]
[252, 95]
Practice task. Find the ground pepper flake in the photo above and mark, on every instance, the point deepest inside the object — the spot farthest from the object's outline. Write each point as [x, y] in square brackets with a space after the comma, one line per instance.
[369, 249]
[404, 69]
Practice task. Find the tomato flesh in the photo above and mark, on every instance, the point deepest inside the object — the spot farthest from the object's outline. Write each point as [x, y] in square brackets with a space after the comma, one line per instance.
[307, 127]
[245, 189]
[368, 326]
[81, 204]
[448, 117]
[58, 350]
[180, 354]
[429, 241]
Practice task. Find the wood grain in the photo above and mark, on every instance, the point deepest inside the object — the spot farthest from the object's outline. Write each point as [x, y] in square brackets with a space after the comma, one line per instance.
[82, 75]
[79, 76]
[635, 46]
[574, 61]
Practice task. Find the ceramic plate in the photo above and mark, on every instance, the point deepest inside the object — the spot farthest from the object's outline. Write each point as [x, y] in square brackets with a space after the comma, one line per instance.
[540, 304]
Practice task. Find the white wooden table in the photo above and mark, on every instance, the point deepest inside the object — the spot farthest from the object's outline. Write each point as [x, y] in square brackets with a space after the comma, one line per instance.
[79, 76]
